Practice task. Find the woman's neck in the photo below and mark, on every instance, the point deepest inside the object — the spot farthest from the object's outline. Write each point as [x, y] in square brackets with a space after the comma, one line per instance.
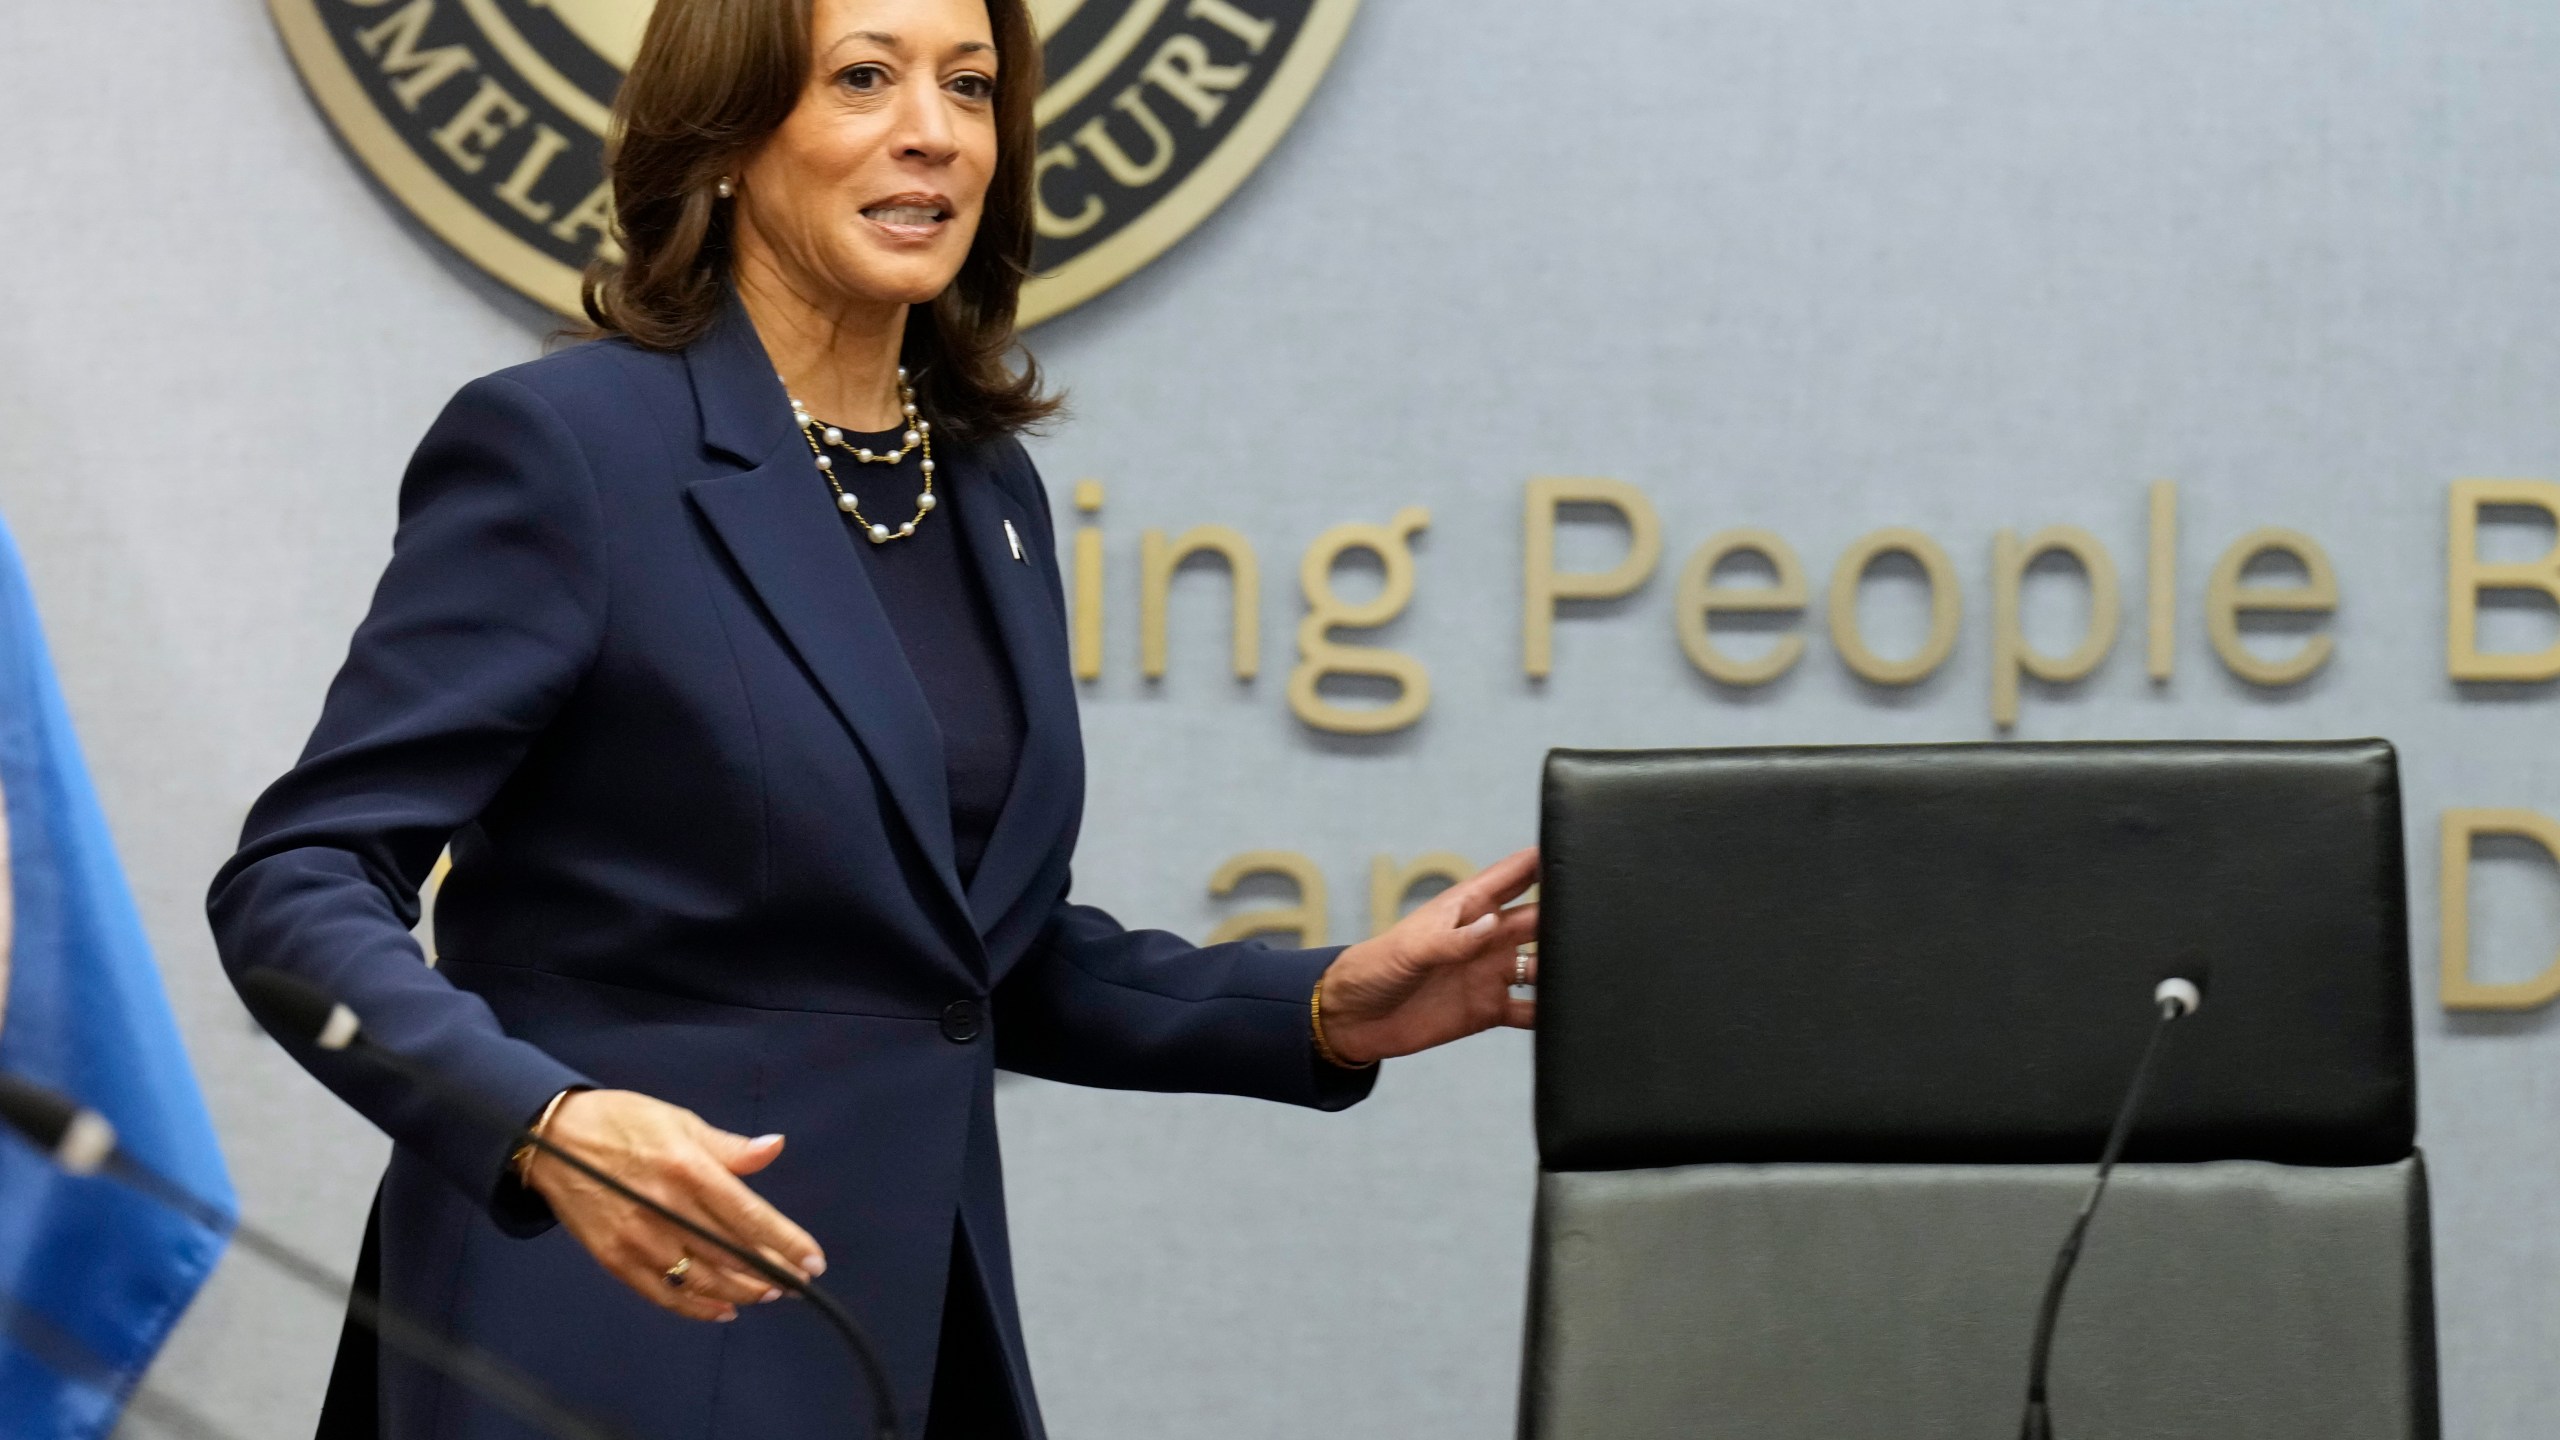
[839, 357]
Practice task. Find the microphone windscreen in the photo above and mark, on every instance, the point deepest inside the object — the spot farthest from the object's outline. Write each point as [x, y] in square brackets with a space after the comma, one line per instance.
[294, 1007]
[2180, 992]
[78, 1139]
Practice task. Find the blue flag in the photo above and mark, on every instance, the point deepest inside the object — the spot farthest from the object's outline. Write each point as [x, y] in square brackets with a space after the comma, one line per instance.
[84, 1015]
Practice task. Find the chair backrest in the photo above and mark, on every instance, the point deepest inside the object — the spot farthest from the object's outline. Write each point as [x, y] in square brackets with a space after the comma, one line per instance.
[1829, 1038]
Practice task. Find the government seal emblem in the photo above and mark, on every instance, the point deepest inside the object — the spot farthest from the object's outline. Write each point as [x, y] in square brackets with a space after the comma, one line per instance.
[487, 119]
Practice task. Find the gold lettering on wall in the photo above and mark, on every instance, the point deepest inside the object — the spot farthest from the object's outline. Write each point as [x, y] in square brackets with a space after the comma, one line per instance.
[1086, 641]
[2011, 656]
[1095, 136]
[414, 73]
[1701, 598]
[518, 191]
[479, 125]
[1946, 606]
[1319, 655]
[1306, 919]
[2457, 989]
[1390, 883]
[2226, 599]
[1544, 585]
[1157, 560]
[1253, 30]
[1050, 223]
[593, 213]
[2161, 653]
[2467, 575]
[1181, 68]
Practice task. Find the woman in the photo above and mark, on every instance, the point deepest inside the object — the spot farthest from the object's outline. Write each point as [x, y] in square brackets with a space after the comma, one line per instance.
[727, 656]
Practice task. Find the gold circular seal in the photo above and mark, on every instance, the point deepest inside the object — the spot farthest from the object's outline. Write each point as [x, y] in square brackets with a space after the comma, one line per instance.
[487, 119]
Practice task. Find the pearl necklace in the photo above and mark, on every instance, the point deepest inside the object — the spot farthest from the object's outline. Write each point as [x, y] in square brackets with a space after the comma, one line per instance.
[919, 436]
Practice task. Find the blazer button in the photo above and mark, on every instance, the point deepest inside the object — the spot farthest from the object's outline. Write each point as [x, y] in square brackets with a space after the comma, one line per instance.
[961, 1022]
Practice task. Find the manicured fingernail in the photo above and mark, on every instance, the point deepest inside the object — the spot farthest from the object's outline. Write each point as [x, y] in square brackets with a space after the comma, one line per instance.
[1484, 922]
[725, 1317]
[813, 1266]
[766, 1140]
[770, 1295]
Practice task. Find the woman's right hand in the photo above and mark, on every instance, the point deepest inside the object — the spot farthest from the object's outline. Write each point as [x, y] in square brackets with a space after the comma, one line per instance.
[670, 1155]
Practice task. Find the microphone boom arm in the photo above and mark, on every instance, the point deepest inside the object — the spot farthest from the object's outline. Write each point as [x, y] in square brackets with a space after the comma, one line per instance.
[82, 1142]
[2176, 1000]
[294, 1006]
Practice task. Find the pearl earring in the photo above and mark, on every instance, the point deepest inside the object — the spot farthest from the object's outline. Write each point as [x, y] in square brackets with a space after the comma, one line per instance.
[724, 189]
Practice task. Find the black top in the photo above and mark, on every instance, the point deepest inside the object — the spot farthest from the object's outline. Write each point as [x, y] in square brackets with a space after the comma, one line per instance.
[947, 626]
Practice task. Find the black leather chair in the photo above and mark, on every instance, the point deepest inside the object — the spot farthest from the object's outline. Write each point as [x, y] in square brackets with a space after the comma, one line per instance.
[1829, 1043]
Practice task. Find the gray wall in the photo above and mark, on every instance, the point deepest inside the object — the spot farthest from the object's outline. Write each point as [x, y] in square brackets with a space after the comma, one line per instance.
[1959, 265]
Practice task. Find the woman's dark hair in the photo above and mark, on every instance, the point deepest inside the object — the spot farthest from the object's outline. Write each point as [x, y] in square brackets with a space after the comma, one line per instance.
[713, 79]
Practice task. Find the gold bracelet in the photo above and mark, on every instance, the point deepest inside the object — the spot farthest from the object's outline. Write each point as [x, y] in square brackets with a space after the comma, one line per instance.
[1315, 1020]
[522, 1160]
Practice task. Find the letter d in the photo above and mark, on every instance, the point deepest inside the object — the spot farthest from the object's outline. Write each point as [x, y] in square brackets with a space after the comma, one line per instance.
[2459, 991]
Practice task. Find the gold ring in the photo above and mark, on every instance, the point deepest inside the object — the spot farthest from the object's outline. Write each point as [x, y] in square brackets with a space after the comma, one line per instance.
[675, 1273]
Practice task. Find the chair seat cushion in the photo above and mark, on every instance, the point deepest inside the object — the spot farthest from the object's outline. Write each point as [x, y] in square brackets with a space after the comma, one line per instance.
[1897, 1302]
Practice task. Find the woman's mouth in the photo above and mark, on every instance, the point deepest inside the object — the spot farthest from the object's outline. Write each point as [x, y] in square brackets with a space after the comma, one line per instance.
[908, 219]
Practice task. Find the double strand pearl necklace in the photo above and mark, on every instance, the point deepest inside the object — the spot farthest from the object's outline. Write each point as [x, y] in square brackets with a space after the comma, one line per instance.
[919, 436]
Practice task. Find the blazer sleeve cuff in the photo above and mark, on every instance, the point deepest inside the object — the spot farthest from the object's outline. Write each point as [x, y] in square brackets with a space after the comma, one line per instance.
[1294, 975]
[517, 1208]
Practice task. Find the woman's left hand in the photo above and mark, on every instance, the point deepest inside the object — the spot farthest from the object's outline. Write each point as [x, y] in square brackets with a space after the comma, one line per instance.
[1442, 973]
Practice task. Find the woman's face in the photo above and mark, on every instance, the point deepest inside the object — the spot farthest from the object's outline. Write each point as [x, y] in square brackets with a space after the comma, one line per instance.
[872, 188]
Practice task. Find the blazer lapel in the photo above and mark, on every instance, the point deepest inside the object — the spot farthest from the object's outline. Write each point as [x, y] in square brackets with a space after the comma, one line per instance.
[1047, 783]
[776, 523]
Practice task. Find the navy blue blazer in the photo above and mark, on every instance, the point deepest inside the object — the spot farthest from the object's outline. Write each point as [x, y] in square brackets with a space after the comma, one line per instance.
[626, 664]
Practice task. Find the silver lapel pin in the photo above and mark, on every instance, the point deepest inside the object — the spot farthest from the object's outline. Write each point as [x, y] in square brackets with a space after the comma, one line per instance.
[1014, 540]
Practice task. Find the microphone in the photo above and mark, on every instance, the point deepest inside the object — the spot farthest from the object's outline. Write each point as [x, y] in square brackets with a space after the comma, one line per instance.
[80, 1141]
[2175, 999]
[290, 1005]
